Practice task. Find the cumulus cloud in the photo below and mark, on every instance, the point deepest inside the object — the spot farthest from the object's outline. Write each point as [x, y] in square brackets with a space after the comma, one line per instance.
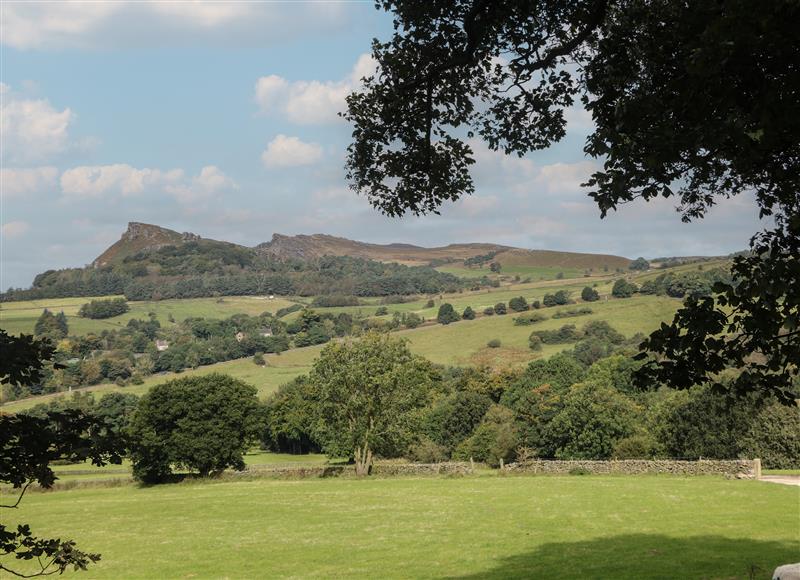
[23, 182]
[32, 129]
[15, 229]
[285, 151]
[310, 102]
[104, 25]
[120, 178]
[565, 177]
[208, 183]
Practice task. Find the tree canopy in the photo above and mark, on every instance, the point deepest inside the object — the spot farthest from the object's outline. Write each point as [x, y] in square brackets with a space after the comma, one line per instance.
[701, 109]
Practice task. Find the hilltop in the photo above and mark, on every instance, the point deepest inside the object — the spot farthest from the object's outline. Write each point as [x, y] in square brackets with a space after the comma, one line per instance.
[150, 262]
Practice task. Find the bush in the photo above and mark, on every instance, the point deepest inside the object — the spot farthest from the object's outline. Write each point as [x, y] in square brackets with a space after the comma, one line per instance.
[258, 359]
[565, 334]
[639, 264]
[536, 305]
[558, 299]
[381, 311]
[447, 314]
[535, 342]
[571, 313]
[430, 304]
[468, 314]
[635, 447]
[488, 311]
[589, 294]
[624, 289]
[104, 308]
[500, 308]
[529, 318]
[518, 304]
[426, 451]
[495, 438]
[333, 301]
[774, 436]
[201, 423]
[494, 343]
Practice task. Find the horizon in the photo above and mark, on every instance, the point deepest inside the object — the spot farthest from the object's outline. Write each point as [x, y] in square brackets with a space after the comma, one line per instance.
[223, 121]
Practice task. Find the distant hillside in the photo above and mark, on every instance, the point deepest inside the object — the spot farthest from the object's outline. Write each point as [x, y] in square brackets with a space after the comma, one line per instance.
[318, 245]
[152, 262]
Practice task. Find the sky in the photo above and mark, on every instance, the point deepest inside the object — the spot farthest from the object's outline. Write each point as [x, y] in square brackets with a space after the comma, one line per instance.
[220, 118]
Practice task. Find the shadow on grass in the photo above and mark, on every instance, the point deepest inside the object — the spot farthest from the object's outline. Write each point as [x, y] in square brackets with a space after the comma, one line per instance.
[647, 556]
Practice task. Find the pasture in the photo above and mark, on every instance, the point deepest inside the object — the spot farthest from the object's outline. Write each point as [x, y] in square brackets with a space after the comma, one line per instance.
[20, 317]
[483, 526]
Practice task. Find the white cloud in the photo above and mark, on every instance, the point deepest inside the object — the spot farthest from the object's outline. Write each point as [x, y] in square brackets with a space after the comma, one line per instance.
[285, 151]
[565, 177]
[310, 102]
[104, 25]
[120, 178]
[19, 182]
[14, 229]
[32, 130]
[209, 182]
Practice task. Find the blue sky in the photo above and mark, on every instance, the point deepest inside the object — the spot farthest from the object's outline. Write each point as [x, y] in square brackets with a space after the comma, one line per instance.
[220, 119]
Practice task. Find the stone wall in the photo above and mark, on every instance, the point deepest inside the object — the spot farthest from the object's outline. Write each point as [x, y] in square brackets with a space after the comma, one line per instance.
[389, 469]
[741, 468]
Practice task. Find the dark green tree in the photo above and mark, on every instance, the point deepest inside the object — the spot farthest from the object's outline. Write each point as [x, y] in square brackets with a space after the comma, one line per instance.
[51, 326]
[201, 423]
[639, 264]
[500, 308]
[623, 289]
[518, 304]
[699, 110]
[589, 294]
[447, 314]
[468, 314]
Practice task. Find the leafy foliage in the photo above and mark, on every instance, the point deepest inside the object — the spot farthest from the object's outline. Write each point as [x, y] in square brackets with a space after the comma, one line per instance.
[104, 308]
[202, 423]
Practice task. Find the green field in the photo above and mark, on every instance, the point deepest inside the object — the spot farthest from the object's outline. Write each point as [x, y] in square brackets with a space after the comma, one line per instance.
[479, 526]
[460, 343]
[19, 317]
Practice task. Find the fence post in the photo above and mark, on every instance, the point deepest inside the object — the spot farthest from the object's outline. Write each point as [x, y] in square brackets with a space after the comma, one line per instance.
[501, 464]
[757, 468]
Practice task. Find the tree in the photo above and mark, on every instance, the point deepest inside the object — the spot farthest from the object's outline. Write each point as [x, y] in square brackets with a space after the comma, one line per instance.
[447, 314]
[623, 289]
[639, 264]
[202, 423]
[500, 308]
[591, 421]
[27, 447]
[589, 294]
[699, 110]
[518, 304]
[468, 314]
[51, 326]
[495, 267]
[363, 395]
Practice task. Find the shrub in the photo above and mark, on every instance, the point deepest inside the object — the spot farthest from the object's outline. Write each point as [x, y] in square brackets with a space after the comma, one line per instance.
[635, 447]
[447, 314]
[494, 343]
[488, 311]
[468, 314]
[495, 438]
[333, 301]
[589, 294]
[529, 318]
[565, 334]
[774, 436]
[500, 308]
[381, 311]
[430, 304]
[639, 264]
[536, 305]
[518, 304]
[104, 308]
[426, 451]
[623, 289]
[571, 313]
[258, 359]
[558, 299]
[535, 342]
[579, 471]
[560, 276]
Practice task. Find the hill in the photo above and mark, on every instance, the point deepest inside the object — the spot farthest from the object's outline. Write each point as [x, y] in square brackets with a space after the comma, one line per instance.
[150, 262]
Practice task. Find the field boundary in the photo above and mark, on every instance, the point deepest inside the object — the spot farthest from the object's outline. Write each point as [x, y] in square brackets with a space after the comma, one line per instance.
[739, 468]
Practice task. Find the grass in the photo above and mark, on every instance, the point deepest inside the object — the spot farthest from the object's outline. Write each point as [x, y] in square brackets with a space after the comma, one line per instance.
[20, 317]
[482, 527]
[460, 343]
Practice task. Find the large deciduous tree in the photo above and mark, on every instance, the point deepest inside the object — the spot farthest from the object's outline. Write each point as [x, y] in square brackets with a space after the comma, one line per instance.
[364, 394]
[201, 423]
[692, 101]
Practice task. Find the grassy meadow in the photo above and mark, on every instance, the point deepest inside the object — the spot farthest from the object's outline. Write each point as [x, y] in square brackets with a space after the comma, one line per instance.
[472, 527]
[20, 317]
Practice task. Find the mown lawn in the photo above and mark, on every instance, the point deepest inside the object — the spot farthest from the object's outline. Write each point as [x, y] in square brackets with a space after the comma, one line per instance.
[482, 527]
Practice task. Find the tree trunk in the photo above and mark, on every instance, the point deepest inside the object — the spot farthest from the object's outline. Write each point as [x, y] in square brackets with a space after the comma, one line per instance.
[363, 459]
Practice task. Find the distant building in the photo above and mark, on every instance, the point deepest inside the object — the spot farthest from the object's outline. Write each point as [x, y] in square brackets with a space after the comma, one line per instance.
[161, 345]
[266, 331]
[240, 336]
